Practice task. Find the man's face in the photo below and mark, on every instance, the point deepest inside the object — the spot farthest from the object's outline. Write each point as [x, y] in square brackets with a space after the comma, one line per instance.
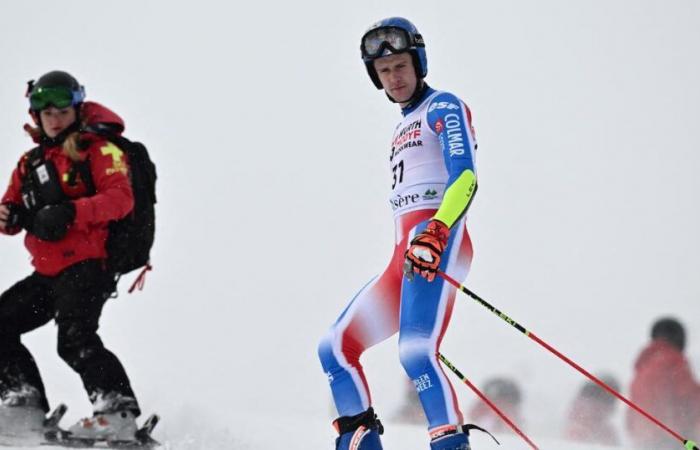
[397, 75]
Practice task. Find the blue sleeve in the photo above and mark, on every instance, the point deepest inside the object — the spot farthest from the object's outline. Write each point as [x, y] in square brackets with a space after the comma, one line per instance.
[449, 119]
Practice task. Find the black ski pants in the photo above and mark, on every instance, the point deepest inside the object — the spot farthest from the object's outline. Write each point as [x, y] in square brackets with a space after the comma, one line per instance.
[74, 299]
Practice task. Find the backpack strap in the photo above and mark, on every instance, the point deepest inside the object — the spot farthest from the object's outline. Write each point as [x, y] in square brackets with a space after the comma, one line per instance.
[32, 159]
[108, 131]
[82, 168]
[29, 185]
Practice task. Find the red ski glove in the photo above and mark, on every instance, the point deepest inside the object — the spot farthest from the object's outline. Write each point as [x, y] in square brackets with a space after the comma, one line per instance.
[423, 256]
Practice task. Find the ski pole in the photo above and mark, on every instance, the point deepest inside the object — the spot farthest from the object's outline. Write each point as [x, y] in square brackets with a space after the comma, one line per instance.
[485, 399]
[690, 445]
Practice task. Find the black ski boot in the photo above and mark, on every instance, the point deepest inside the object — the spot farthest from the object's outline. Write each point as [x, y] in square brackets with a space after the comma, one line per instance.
[360, 432]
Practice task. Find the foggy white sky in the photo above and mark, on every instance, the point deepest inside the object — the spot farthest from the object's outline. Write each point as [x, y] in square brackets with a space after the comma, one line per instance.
[271, 145]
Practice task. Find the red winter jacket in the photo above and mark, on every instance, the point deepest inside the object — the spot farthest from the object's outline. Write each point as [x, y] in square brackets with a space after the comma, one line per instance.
[664, 386]
[113, 197]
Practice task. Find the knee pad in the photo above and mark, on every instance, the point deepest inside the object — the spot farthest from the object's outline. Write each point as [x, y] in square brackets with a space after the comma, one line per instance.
[360, 432]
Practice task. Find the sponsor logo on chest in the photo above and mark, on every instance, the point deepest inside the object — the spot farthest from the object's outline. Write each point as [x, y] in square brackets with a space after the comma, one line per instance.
[407, 137]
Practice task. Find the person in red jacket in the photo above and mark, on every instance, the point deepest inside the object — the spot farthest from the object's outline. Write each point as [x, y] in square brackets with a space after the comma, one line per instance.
[64, 193]
[663, 384]
[591, 415]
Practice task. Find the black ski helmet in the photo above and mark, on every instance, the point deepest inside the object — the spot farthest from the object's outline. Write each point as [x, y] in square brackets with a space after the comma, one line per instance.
[670, 330]
[54, 80]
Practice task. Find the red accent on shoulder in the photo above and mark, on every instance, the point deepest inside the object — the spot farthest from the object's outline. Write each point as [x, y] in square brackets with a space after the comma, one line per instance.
[93, 112]
[469, 113]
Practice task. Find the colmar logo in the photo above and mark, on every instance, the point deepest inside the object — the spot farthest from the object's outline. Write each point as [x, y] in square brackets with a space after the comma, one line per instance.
[455, 137]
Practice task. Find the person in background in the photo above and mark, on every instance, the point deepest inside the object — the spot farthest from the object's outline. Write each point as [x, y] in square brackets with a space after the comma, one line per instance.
[505, 394]
[591, 414]
[664, 385]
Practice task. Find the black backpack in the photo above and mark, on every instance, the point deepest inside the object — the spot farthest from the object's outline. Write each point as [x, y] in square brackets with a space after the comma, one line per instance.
[131, 238]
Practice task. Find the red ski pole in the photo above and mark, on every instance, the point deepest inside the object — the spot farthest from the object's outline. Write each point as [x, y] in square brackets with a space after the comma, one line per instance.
[486, 400]
[690, 445]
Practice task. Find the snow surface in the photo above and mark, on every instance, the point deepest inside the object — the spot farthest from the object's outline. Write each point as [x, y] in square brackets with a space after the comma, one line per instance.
[254, 432]
[271, 143]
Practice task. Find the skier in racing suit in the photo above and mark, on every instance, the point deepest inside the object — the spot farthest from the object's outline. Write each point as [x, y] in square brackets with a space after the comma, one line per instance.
[433, 180]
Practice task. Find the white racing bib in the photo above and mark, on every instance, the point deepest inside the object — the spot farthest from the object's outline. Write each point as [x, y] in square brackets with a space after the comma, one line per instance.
[418, 173]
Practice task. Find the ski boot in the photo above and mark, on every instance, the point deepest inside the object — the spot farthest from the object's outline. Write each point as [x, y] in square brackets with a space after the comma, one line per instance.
[115, 426]
[113, 420]
[360, 432]
[450, 438]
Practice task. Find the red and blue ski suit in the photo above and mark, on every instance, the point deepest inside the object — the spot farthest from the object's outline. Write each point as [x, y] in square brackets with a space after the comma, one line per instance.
[433, 177]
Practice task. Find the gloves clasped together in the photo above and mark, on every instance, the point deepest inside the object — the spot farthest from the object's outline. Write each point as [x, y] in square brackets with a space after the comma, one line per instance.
[51, 223]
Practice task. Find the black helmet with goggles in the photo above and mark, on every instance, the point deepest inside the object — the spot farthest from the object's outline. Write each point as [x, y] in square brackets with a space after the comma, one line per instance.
[57, 88]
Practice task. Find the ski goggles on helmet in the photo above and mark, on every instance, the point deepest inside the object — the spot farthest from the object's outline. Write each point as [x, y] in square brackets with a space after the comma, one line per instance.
[60, 97]
[395, 39]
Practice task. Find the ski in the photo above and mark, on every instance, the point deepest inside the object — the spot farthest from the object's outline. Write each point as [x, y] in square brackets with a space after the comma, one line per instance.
[55, 416]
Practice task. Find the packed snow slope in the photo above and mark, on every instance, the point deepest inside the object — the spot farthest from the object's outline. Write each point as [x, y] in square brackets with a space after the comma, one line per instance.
[272, 148]
[253, 432]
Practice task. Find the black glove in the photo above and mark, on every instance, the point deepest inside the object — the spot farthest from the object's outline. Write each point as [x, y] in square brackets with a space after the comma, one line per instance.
[51, 222]
[16, 218]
